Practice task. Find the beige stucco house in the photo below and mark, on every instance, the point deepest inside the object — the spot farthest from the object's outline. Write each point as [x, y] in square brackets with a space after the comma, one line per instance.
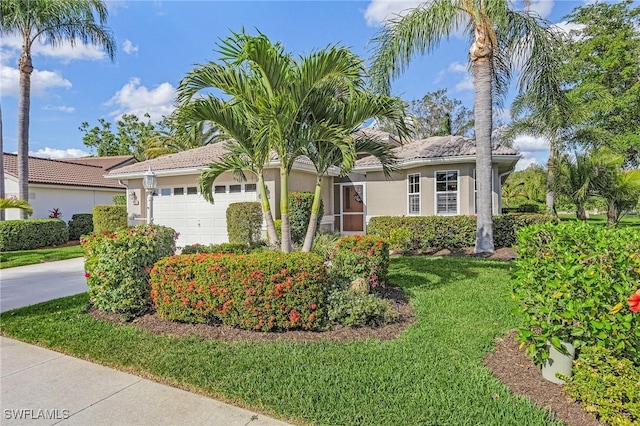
[433, 176]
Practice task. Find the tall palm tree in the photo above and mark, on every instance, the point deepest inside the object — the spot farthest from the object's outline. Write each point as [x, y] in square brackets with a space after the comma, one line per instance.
[276, 91]
[501, 40]
[343, 113]
[53, 22]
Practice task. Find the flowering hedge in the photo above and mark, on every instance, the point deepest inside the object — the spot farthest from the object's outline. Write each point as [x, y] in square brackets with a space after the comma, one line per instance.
[117, 266]
[260, 291]
[361, 256]
[573, 282]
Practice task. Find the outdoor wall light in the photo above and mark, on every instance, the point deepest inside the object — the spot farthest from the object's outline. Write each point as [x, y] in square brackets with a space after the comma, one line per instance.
[149, 182]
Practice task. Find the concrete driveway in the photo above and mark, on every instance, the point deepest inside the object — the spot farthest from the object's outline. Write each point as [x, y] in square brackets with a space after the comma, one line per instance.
[31, 284]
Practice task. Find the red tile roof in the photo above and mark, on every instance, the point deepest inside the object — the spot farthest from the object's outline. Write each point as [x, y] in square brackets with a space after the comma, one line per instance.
[107, 163]
[68, 172]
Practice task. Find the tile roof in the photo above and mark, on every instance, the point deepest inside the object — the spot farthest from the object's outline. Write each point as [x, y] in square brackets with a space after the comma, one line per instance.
[107, 163]
[436, 147]
[61, 172]
[377, 135]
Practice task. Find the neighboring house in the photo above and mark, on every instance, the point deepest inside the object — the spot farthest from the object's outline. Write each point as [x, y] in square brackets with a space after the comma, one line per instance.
[72, 185]
[434, 176]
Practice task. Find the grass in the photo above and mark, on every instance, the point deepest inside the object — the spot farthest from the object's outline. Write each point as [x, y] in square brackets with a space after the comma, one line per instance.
[10, 259]
[632, 220]
[431, 375]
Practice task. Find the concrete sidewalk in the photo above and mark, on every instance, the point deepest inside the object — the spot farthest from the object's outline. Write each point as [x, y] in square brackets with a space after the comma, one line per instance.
[42, 387]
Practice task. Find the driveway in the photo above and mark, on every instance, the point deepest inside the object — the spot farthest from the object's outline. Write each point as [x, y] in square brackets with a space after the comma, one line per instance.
[31, 284]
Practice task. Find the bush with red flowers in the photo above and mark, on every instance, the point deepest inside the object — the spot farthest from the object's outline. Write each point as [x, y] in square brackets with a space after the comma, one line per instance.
[260, 291]
[360, 256]
[117, 266]
[634, 302]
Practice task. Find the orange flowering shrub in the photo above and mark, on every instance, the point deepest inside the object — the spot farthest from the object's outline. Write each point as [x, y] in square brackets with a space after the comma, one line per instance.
[260, 291]
[361, 256]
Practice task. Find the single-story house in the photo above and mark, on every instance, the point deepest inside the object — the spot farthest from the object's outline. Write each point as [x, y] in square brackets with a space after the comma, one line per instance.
[434, 176]
[72, 185]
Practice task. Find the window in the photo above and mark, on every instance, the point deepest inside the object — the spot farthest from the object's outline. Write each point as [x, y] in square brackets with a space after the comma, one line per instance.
[178, 191]
[219, 189]
[235, 188]
[250, 187]
[413, 190]
[192, 190]
[447, 192]
[165, 191]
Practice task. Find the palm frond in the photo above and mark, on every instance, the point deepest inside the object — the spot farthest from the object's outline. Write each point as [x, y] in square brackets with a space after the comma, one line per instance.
[14, 203]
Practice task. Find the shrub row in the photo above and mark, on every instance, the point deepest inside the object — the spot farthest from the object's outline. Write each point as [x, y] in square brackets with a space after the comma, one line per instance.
[572, 283]
[223, 248]
[30, 234]
[80, 224]
[360, 256]
[109, 218]
[260, 291]
[117, 266]
[431, 233]
[244, 223]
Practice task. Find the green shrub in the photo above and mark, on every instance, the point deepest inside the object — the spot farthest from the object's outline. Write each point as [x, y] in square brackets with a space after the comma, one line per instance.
[415, 234]
[109, 218]
[80, 224]
[224, 248]
[355, 309]
[259, 291]
[607, 387]
[360, 256]
[300, 204]
[572, 282]
[30, 234]
[325, 244]
[120, 200]
[244, 223]
[117, 266]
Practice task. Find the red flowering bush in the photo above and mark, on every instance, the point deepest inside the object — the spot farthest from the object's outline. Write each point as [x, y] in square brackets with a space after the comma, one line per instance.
[117, 266]
[259, 291]
[634, 302]
[360, 256]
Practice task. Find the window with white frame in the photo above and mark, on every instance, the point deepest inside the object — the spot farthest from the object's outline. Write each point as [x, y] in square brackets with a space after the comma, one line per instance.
[413, 191]
[447, 192]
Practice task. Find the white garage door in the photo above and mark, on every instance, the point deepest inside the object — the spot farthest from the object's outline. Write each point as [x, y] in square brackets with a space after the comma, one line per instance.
[197, 221]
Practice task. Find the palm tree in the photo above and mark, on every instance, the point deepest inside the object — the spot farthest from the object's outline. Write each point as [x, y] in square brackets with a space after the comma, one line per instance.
[575, 178]
[620, 188]
[342, 114]
[502, 39]
[53, 22]
[276, 92]
[14, 203]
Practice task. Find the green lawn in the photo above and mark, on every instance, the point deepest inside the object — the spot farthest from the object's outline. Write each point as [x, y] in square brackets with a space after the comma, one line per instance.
[601, 219]
[431, 375]
[9, 259]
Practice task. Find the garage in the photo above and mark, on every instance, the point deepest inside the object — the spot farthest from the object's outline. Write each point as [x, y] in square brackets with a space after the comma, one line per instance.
[184, 209]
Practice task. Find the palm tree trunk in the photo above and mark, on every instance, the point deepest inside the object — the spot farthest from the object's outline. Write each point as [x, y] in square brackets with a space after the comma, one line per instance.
[2, 194]
[483, 126]
[612, 214]
[581, 214]
[313, 220]
[26, 68]
[266, 211]
[551, 164]
[284, 210]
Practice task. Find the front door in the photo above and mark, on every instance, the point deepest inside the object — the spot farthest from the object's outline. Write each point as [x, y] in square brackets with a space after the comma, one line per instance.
[352, 208]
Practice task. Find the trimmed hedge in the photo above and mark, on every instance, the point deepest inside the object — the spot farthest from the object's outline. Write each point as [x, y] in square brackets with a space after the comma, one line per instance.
[30, 234]
[300, 204]
[223, 248]
[109, 218]
[120, 200]
[244, 223]
[432, 233]
[117, 266]
[80, 224]
[572, 283]
[260, 291]
[360, 256]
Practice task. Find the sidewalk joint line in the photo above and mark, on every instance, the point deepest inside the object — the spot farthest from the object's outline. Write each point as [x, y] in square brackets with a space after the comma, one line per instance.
[34, 366]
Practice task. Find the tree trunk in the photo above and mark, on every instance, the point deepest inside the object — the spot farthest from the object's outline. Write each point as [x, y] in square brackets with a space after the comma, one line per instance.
[26, 68]
[313, 220]
[266, 212]
[551, 165]
[612, 214]
[2, 194]
[284, 210]
[483, 127]
[581, 214]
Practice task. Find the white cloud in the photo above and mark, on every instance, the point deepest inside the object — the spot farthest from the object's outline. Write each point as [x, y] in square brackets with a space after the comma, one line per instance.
[566, 26]
[133, 98]
[527, 160]
[41, 81]
[55, 153]
[465, 84]
[541, 7]
[129, 47]
[64, 51]
[61, 108]
[457, 67]
[530, 143]
[379, 11]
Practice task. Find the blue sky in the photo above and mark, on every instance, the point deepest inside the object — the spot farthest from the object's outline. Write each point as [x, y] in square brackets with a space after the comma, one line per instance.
[159, 41]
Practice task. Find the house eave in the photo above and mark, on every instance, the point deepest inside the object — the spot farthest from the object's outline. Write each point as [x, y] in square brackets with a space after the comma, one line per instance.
[438, 160]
